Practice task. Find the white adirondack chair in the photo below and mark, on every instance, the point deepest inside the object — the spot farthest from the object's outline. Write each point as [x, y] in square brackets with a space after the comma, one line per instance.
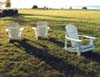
[41, 29]
[14, 31]
[72, 35]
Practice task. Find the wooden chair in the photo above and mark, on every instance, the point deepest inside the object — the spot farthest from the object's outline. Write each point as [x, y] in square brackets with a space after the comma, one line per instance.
[14, 31]
[77, 46]
[41, 29]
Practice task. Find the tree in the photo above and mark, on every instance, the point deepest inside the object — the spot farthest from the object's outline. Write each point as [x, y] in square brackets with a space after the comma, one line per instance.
[8, 3]
[1, 4]
[45, 7]
[84, 7]
[34, 7]
[70, 7]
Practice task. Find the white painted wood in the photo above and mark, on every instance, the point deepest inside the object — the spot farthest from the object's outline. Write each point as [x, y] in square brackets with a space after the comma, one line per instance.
[14, 30]
[41, 29]
[72, 35]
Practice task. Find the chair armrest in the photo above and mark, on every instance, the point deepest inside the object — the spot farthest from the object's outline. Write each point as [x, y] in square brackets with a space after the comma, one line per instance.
[21, 29]
[6, 30]
[88, 37]
[73, 39]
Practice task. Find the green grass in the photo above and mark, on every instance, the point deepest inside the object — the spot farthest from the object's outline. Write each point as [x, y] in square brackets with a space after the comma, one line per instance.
[46, 58]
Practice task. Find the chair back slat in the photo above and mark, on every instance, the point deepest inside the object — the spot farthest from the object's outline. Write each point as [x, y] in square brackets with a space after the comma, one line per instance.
[42, 28]
[13, 29]
[71, 31]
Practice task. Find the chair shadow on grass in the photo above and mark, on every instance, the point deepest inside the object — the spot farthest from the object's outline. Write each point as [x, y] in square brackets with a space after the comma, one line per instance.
[92, 56]
[54, 41]
[55, 62]
[57, 42]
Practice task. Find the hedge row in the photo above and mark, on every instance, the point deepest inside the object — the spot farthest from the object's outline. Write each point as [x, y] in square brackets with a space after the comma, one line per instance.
[8, 12]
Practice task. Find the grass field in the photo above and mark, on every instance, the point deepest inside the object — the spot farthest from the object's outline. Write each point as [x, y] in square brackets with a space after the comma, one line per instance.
[46, 57]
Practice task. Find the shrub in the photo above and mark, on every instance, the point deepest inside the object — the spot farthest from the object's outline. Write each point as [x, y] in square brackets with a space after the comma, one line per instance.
[1, 14]
[10, 12]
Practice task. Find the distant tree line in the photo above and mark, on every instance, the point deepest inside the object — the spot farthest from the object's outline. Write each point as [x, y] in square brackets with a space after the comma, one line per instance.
[36, 7]
[82, 7]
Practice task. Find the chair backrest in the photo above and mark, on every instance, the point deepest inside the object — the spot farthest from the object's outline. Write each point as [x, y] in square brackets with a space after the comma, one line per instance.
[13, 29]
[71, 31]
[42, 28]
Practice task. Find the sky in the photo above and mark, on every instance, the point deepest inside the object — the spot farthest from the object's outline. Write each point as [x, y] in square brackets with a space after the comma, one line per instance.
[53, 3]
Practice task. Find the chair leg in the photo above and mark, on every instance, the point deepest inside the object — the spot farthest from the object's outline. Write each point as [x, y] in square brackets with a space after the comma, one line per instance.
[65, 47]
[36, 37]
[20, 38]
[78, 51]
[91, 41]
[48, 37]
[8, 40]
